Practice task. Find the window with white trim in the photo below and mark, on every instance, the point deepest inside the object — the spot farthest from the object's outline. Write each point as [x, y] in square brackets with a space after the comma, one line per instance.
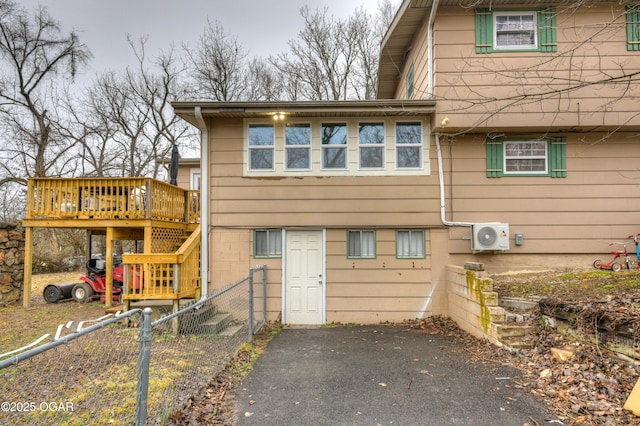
[528, 157]
[261, 146]
[195, 179]
[267, 243]
[334, 145]
[515, 30]
[297, 146]
[410, 244]
[408, 145]
[371, 145]
[361, 244]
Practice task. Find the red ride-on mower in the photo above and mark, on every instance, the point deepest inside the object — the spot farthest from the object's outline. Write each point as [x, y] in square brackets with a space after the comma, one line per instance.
[93, 284]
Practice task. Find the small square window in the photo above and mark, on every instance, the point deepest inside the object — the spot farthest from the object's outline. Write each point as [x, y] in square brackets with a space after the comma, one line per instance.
[410, 244]
[267, 243]
[528, 157]
[361, 244]
[515, 30]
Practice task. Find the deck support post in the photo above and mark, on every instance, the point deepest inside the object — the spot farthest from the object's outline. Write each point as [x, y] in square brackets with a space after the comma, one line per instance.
[108, 298]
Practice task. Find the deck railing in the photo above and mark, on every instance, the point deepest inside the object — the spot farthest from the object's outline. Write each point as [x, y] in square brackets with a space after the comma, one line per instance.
[164, 275]
[110, 198]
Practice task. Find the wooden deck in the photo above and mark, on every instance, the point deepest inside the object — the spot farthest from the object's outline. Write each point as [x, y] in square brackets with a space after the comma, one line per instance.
[165, 217]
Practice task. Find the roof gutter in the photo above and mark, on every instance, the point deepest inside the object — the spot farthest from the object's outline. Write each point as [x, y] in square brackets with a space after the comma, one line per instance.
[204, 202]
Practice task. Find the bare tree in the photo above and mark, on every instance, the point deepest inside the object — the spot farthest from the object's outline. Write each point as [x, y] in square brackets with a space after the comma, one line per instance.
[334, 59]
[321, 59]
[130, 117]
[37, 59]
[264, 83]
[217, 65]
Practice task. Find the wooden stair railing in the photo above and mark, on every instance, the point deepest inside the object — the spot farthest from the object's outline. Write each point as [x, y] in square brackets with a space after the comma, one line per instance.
[164, 276]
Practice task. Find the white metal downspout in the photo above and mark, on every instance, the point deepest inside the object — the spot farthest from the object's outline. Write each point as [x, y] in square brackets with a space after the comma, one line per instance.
[430, 94]
[204, 203]
[441, 180]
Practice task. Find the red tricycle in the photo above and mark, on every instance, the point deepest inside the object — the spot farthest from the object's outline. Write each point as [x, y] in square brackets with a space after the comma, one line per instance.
[93, 284]
[628, 263]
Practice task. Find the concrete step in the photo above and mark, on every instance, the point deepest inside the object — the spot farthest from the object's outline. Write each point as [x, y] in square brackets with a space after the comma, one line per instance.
[519, 305]
[517, 342]
[511, 330]
[218, 323]
[233, 330]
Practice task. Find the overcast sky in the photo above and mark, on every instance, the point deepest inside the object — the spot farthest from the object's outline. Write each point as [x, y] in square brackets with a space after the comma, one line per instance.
[263, 27]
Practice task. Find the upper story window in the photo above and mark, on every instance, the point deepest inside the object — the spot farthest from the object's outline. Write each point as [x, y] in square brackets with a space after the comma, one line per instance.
[334, 145]
[409, 145]
[297, 145]
[352, 146]
[409, 82]
[526, 157]
[371, 145]
[633, 27]
[516, 30]
[261, 144]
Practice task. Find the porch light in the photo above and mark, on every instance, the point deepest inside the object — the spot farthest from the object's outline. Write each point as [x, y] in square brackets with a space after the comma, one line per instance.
[278, 116]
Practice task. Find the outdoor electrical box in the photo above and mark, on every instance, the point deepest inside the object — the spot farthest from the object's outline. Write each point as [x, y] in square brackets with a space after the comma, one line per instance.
[519, 239]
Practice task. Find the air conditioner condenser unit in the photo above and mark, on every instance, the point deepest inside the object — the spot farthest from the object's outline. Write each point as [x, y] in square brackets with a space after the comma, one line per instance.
[489, 236]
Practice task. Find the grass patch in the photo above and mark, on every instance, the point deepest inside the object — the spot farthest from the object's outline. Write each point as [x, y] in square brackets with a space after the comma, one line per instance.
[583, 285]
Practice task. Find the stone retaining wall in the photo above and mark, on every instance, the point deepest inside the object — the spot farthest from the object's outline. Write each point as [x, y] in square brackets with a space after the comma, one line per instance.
[11, 263]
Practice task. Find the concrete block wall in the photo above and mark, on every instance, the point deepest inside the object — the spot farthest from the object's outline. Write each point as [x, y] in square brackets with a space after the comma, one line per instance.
[472, 303]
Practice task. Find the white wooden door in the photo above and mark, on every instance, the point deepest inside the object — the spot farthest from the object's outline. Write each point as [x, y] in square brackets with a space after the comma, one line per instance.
[304, 281]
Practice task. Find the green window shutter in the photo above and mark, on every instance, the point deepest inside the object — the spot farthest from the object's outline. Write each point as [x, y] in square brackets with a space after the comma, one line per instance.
[494, 158]
[484, 31]
[547, 38]
[633, 27]
[558, 157]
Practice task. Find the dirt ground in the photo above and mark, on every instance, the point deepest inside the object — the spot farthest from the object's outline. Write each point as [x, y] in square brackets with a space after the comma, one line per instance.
[588, 389]
[27, 325]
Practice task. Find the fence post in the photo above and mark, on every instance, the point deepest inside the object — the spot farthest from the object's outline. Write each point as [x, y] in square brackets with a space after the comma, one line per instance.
[264, 293]
[251, 304]
[143, 368]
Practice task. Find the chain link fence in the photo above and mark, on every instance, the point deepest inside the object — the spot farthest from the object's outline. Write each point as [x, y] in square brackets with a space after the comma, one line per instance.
[128, 369]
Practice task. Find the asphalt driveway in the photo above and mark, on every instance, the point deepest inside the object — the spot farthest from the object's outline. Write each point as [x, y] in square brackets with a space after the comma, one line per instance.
[380, 375]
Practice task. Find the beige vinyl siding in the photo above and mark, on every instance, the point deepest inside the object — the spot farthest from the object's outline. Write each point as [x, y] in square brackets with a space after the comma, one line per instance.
[231, 259]
[417, 55]
[380, 289]
[357, 290]
[312, 201]
[598, 202]
[589, 49]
